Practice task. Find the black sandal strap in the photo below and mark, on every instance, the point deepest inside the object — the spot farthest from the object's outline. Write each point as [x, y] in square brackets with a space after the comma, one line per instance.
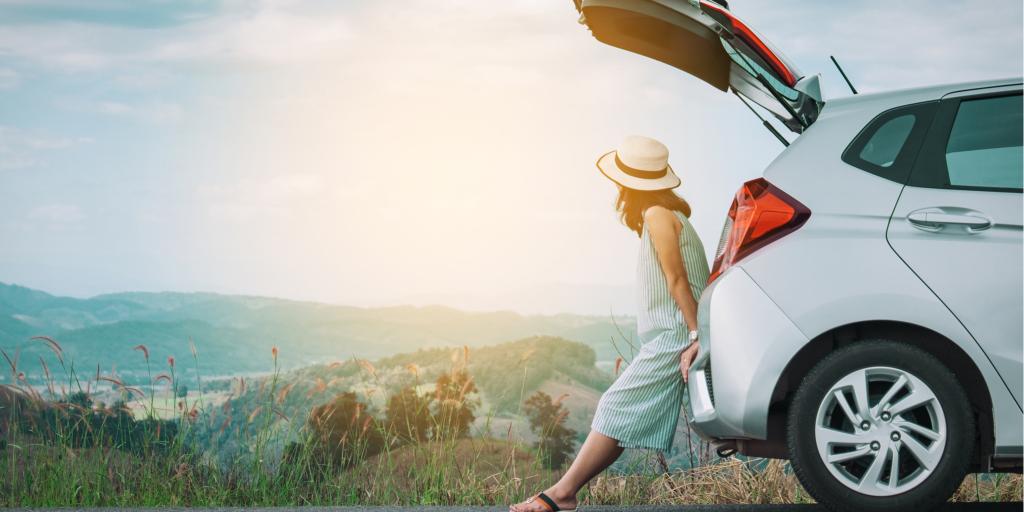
[549, 502]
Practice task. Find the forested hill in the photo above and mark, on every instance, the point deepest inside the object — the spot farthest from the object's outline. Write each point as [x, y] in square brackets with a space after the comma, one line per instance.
[234, 334]
[504, 375]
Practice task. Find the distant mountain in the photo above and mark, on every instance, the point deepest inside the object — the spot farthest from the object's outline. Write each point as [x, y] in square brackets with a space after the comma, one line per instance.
[546, 299]
[234, 334]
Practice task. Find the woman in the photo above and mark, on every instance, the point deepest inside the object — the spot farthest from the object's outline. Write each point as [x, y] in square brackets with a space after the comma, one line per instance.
[641, 409]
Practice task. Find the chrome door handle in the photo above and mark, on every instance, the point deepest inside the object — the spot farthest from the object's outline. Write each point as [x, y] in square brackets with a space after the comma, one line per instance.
[934, 219]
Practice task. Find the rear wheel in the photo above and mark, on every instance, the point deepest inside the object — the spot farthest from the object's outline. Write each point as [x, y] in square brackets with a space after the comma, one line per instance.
[878, 426]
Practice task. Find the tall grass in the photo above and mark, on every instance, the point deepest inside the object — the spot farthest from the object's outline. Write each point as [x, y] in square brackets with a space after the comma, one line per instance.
[78, 456]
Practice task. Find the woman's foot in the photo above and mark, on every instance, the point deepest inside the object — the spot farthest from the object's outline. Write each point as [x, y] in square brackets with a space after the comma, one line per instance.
[563, 501]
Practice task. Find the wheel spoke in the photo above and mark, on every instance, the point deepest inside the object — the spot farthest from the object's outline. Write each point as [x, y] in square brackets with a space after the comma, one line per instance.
[909, 426]
[896, 386]
[870, 478]
[917, 397]
[844, 404]
[894, 465]
[837, 437]
[926, 457]
[836, 458]
[860, 392]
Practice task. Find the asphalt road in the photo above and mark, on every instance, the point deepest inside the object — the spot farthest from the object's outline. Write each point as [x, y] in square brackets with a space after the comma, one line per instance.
[952, 507]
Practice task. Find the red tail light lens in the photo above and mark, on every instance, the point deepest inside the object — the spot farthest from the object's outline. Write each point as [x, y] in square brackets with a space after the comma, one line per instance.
[741, 30]
[760, 213]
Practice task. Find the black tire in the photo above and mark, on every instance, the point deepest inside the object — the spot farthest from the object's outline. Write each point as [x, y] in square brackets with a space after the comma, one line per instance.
[812, 472]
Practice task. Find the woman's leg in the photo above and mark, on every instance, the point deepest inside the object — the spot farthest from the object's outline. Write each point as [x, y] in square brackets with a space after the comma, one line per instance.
[597, 453]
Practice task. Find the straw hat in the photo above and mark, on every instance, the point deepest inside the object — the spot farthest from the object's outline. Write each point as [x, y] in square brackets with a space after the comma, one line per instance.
[639, 163]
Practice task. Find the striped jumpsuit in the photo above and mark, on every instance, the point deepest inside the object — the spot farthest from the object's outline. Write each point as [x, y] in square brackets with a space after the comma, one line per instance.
[641, 408]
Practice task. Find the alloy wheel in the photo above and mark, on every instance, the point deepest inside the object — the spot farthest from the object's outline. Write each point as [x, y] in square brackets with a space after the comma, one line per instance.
[880, 431]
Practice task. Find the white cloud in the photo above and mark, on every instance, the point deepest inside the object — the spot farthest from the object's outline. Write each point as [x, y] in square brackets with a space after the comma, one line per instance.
[56, 214]
[67, 47]
[21, 149]
[158, 112]
[272, 34]
[893, 45]
[9, 79]
[250, 198]
[261, 32]
[15, 161]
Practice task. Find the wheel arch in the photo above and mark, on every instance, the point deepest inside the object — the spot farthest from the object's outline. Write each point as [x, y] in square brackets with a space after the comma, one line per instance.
[947, 351]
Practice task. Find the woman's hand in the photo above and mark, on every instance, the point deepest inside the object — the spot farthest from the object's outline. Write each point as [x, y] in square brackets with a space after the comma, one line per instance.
[686, 359]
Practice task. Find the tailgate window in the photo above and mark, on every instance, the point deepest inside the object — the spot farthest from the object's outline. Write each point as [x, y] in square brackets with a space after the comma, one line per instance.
[754, 68]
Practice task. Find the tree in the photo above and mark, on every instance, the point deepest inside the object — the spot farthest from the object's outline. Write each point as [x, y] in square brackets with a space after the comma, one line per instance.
[454, 405]
[79, 398]
[408, 415]
[555, 442]
[345, 430]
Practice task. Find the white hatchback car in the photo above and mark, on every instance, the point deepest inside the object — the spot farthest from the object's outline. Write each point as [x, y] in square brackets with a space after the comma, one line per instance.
[864, 314]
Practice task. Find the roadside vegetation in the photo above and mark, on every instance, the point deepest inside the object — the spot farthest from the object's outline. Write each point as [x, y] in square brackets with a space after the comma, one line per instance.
[416, 434]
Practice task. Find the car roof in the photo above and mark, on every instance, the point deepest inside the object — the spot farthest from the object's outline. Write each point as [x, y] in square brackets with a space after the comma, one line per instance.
[914, 94]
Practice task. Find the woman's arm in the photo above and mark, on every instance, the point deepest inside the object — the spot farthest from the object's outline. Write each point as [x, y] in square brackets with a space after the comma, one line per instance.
[664, 229]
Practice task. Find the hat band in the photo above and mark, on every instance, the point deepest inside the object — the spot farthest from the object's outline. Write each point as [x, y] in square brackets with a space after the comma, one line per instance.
[639, 173]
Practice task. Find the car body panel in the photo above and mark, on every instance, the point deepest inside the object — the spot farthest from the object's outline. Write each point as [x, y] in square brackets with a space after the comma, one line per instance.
[742, 367]
[969, 271]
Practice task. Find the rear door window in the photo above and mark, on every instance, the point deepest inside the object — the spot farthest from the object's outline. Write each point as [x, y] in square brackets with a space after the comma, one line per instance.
[984, 147]
[974, 144]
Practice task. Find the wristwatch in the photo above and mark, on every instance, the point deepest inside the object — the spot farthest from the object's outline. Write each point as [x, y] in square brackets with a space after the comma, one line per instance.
[693, 336]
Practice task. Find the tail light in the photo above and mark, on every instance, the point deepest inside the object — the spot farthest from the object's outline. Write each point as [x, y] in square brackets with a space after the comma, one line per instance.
[760, 213]
[741, 30]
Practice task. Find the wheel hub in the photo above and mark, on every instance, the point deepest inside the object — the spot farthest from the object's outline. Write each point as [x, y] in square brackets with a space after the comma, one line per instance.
[880, 431]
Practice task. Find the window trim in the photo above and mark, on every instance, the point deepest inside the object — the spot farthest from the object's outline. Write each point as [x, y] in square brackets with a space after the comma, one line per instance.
[900, 170]
[931, 170]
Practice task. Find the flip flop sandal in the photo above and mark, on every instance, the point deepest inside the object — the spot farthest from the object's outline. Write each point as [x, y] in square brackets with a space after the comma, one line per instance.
[548, 502]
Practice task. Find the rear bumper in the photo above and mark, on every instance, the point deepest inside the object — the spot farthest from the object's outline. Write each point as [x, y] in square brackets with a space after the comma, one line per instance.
[746, 343]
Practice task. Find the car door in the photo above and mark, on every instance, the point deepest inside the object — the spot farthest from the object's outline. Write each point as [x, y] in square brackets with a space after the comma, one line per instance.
[704, 39]
[957, 224]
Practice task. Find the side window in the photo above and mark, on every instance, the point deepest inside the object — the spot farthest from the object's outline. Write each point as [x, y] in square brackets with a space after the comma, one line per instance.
[984, 146]
[888, 145]
[885, 144]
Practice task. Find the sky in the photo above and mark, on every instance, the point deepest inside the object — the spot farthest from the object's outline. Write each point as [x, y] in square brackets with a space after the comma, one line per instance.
[390, 152]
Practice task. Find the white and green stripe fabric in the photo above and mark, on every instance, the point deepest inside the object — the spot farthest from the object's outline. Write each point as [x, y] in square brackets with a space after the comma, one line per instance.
[641, 408]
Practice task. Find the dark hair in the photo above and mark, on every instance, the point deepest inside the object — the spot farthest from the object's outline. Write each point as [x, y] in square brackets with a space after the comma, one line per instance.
[632, 204]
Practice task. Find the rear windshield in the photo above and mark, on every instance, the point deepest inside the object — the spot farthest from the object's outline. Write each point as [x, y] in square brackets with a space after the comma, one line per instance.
[755, 68]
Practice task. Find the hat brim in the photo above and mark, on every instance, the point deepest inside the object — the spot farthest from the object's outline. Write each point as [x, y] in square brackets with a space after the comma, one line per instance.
[606, 164]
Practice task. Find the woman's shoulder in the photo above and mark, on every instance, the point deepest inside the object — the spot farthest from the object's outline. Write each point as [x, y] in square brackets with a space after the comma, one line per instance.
[658, 212]
[657, 218]
[660, 215]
